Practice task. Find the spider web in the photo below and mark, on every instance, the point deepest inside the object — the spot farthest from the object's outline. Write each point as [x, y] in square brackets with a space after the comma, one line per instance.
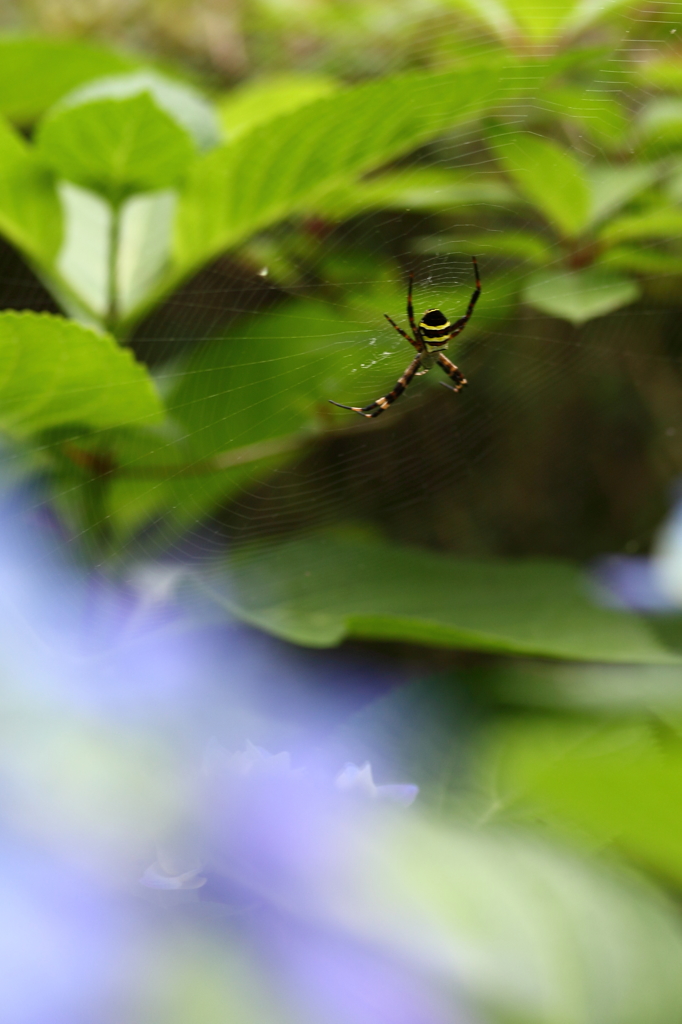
[566, 438]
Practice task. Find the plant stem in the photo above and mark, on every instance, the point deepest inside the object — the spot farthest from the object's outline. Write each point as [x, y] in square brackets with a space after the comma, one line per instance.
[96, 528]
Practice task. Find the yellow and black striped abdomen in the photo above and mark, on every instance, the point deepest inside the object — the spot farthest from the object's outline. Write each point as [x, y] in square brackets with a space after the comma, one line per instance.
[435, 327]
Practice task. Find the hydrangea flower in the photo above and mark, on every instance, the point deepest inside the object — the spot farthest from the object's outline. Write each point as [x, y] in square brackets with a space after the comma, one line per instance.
[647, 584]
[275, 894]
[359, 780]
[224, 772]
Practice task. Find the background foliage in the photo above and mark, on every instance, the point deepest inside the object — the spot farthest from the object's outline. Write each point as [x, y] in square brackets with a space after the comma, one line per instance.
[205, 209]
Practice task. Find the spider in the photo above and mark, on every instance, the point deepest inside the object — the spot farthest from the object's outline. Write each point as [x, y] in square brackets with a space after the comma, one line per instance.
[430, 338]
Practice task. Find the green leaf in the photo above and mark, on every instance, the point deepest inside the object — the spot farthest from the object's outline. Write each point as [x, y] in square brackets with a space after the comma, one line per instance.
[83, 259]
[143, 253]
[205, 973]
[281, 167]
[512, 20]
[185, 105]
[672, 186]
[144, 246]
[419, 188]
[246, 403]
[522, 245]
[527, 932]
[54, 372]
[586, 13]
[317, 591]
[30, 215]
[541, 22]
[661, 222]
[268, 98]
[550, 179]
[579, 295]
[614, 187]
[115, 147]
[639, 690]
[36, 71]
[264, 380]
[619, 782]
[663, 73]
[639, 260]
[659, 125]
[242, 405]
[595, 114]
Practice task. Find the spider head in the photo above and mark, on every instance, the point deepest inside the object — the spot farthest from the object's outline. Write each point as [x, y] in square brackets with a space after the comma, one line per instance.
[435, 328]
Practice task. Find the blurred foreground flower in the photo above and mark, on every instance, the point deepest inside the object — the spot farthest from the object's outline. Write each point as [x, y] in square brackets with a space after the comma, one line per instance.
[644, 584]
[271, 894]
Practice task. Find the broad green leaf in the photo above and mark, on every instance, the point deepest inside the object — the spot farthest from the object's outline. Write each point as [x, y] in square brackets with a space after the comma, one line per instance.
[541, 21]
[186, 105]
[36, 71]
[495, 15]
[672, 186]
[242, 405]
[595, 114]
[661, 222]
[586, 13]
[265, 99]
[30, 215]
[659, 125]
[640, 260]
[143, 252]
[528, 932]
[618, 782]
[266, 379]
[549, 178]
[54, 372]
[281, 167]
[640, 690]
[522, 245]
[419, 188]
[206, 975]
[115, 147]
[317, 591]
[83, 259]
[246, 403]
[512, 20]
[663, 73]
[144, 246]
[579, 295]
[614, 187]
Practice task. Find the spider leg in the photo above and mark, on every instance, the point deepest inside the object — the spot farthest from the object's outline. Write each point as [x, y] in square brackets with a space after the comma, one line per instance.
[410, 310]
[452, 371]
[459, 326]
[402, 332]
[376, 408]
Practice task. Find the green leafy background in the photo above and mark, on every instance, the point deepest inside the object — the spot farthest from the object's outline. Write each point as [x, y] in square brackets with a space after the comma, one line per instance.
[199, 250]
